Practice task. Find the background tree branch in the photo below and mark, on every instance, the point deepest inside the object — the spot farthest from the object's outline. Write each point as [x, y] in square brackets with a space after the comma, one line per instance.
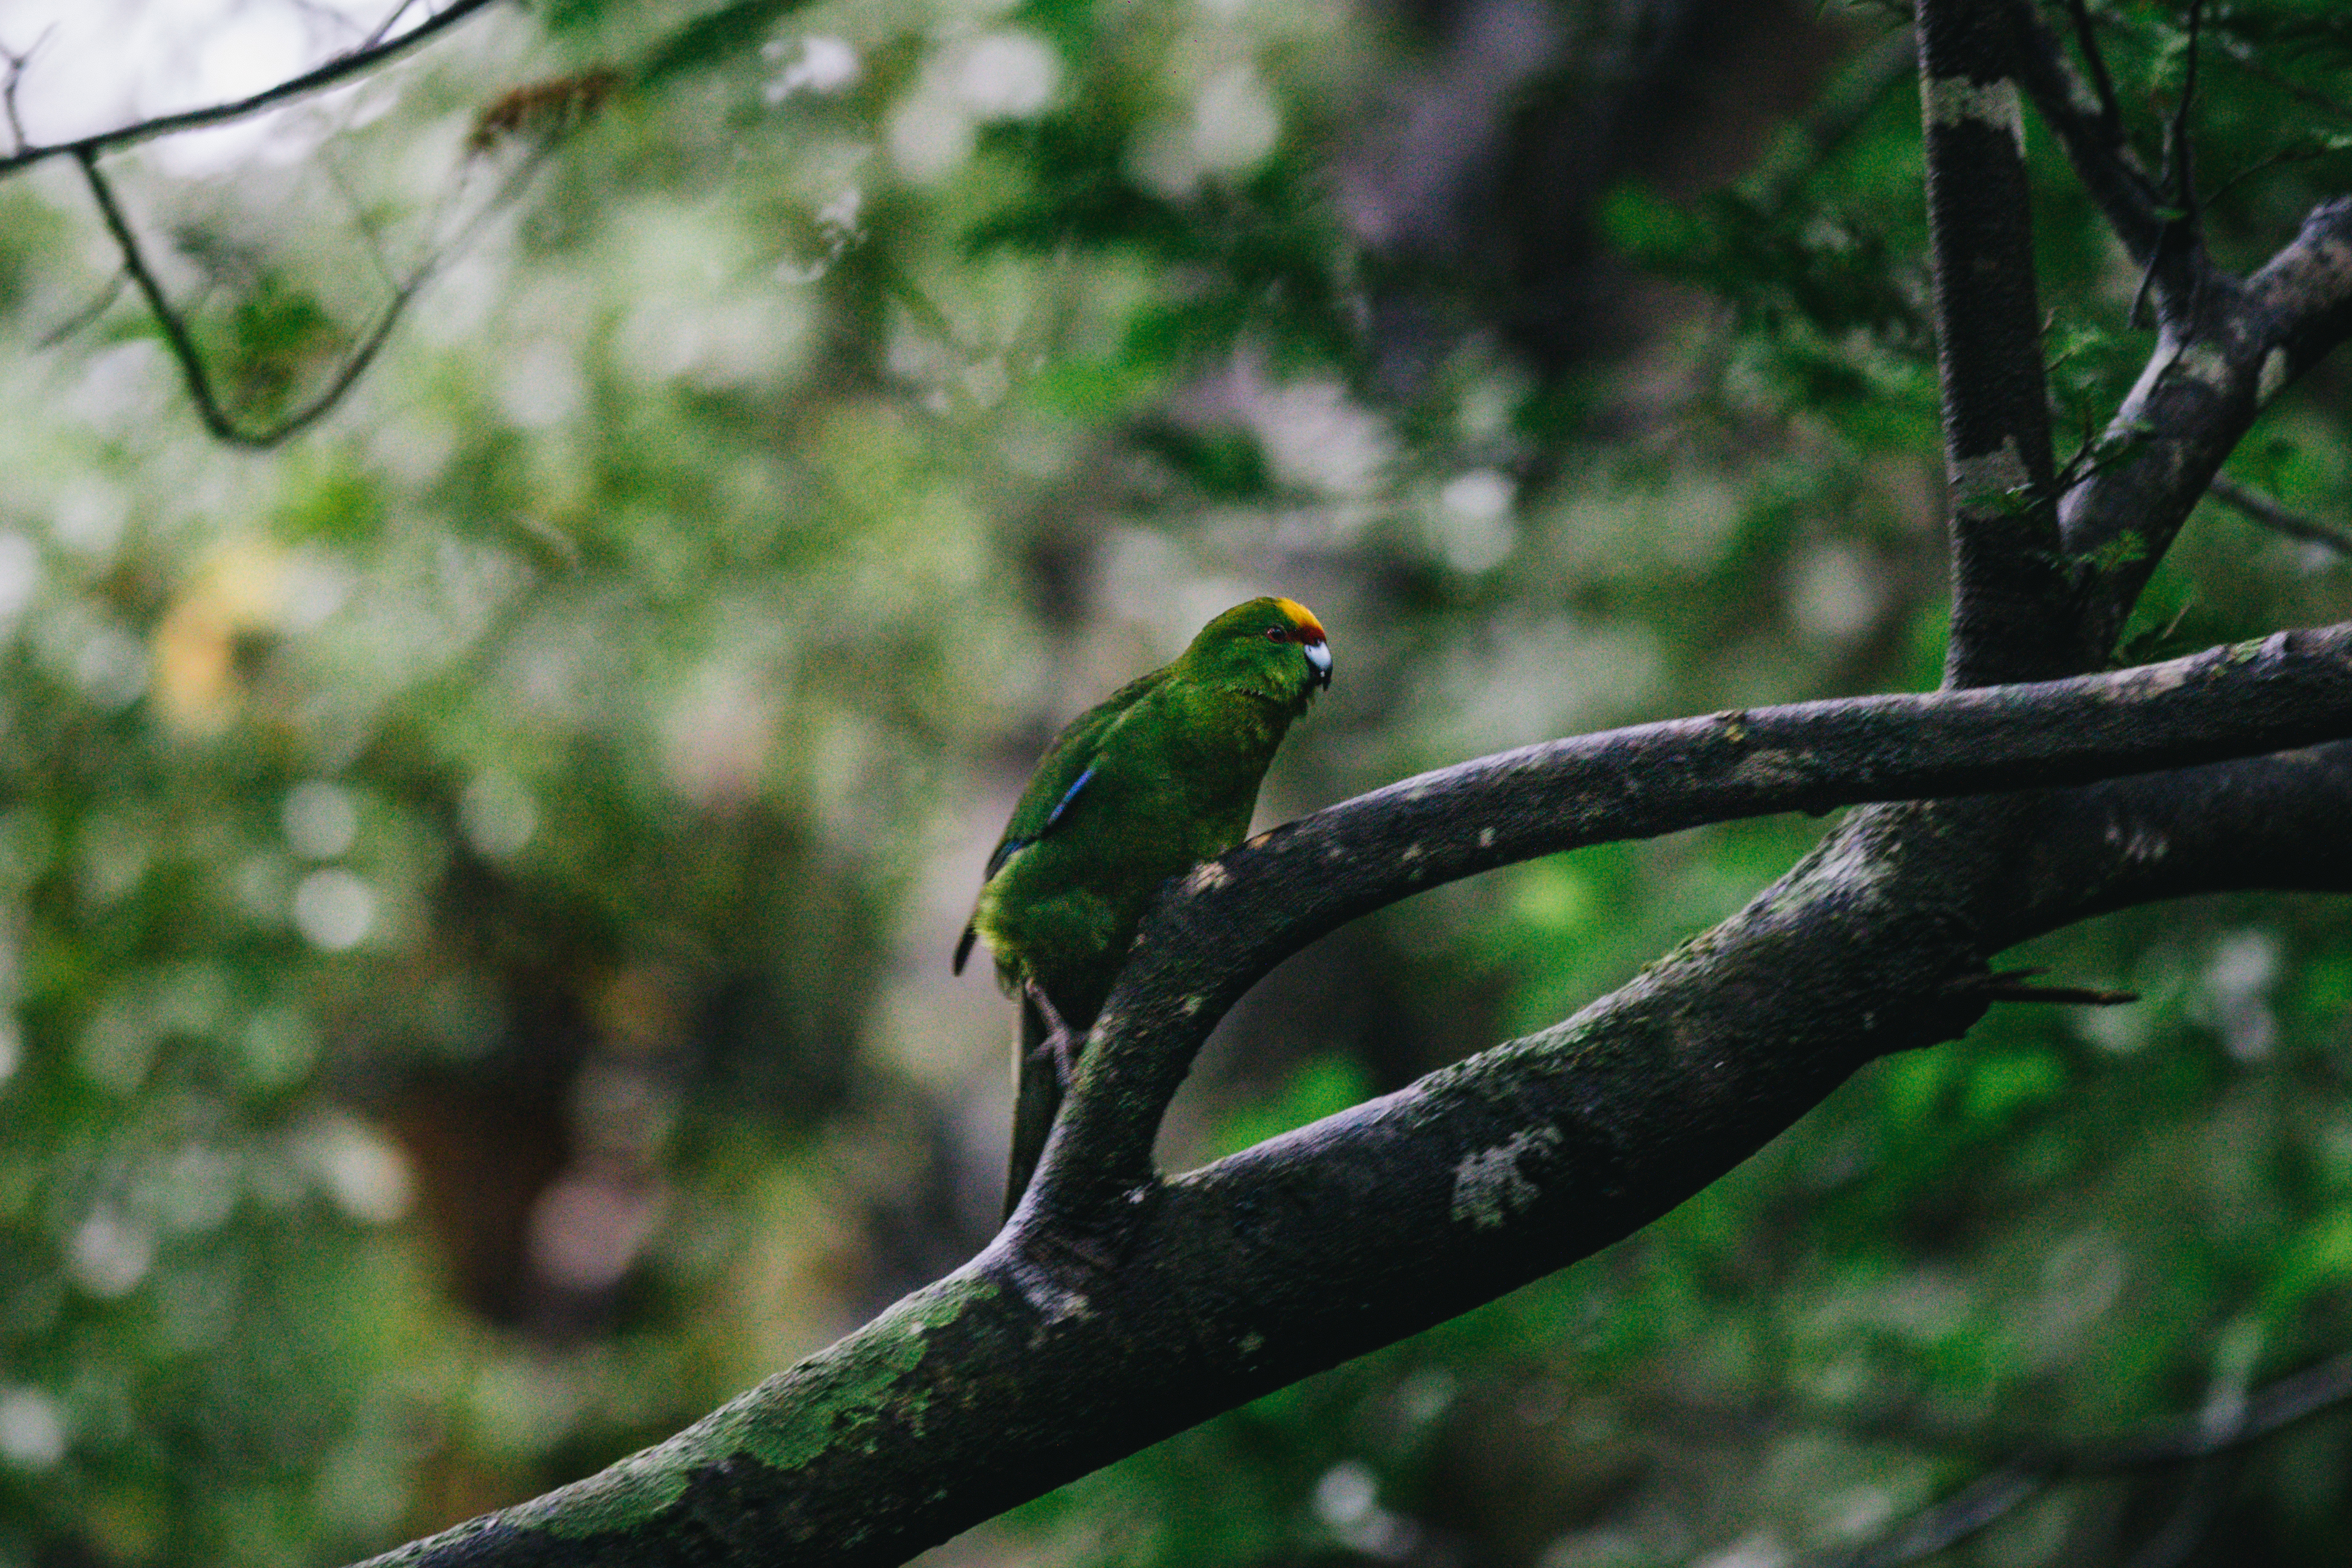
[190, 359]
[376, 51]
[2088, 122]
[2250, 502]
[2184, 1440]
[2203, 387]
[2010, 610]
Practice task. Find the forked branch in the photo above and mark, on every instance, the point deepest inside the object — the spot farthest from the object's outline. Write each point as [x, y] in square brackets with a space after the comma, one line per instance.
[2280, 519]
[2202, 389]
[189, 357]
[2085, 117]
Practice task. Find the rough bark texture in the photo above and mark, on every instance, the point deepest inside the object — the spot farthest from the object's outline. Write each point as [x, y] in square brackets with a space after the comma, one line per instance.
[2213, 371]
[1218, 930]
[2008, 594]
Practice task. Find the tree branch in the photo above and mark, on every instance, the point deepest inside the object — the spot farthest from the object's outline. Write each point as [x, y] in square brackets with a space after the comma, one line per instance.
[2181, 1440]
[12, 79]
[2208, 378]
[1230, 922]
[2088, 123]
[2274, 822]
[341, 68]
[2250, 502]
[190, 359]
[100, 303]
[2011, 616]
[377, 50]
[1078, 1337]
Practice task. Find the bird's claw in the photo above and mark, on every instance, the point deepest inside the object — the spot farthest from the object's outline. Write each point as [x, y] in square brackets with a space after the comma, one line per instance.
[1059, 1041]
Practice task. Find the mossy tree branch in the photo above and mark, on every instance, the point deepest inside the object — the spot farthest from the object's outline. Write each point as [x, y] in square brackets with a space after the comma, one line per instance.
[1111, 1314]
[1217, 931]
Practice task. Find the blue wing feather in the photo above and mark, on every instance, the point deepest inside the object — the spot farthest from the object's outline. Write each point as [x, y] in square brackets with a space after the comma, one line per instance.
[1005, 850]
[1062, 805]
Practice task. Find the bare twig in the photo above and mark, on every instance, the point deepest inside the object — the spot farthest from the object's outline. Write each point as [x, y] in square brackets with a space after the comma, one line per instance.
[16, 75]
[2252, 503]
[172, 321]
[1987, 1499]
[2179, 150]
[190, 359]
[2246, 56]
[2182, 231]
[351, 63]
[383, 28]
[2089, 125]
[2181, 1440]
[2009, 986]
[2086, 39]
[361, 219]
[90, 312]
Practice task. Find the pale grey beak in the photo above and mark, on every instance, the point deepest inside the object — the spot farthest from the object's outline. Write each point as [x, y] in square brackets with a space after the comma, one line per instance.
[1318, 659]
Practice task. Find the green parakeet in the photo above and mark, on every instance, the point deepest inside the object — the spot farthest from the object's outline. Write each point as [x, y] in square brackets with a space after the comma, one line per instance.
[1159, 778]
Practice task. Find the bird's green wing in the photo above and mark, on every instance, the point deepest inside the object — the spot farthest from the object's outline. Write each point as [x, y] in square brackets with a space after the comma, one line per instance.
[1060, 779]
[1065, 764]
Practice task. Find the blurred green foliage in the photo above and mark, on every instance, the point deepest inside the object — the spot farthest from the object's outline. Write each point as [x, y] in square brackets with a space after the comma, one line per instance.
[476, 882]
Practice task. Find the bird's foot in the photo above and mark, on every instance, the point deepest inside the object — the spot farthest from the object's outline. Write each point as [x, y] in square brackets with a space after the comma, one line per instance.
[1061, 1041]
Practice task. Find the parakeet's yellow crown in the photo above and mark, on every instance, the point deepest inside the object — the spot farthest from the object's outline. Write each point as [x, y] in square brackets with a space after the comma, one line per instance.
[1310, 630]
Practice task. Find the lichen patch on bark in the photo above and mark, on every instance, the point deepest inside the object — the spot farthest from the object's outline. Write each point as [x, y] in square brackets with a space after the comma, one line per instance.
[2274, 376]
[1488, 1185]
[1955, 100]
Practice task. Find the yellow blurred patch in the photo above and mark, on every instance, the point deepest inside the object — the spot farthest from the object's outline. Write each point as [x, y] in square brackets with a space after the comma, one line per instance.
[240, 592]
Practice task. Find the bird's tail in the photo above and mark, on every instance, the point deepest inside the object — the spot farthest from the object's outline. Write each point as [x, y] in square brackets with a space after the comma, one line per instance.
[1037, 1096]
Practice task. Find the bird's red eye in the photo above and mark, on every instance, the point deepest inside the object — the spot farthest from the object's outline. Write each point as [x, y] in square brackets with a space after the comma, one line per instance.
[1278, 634]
